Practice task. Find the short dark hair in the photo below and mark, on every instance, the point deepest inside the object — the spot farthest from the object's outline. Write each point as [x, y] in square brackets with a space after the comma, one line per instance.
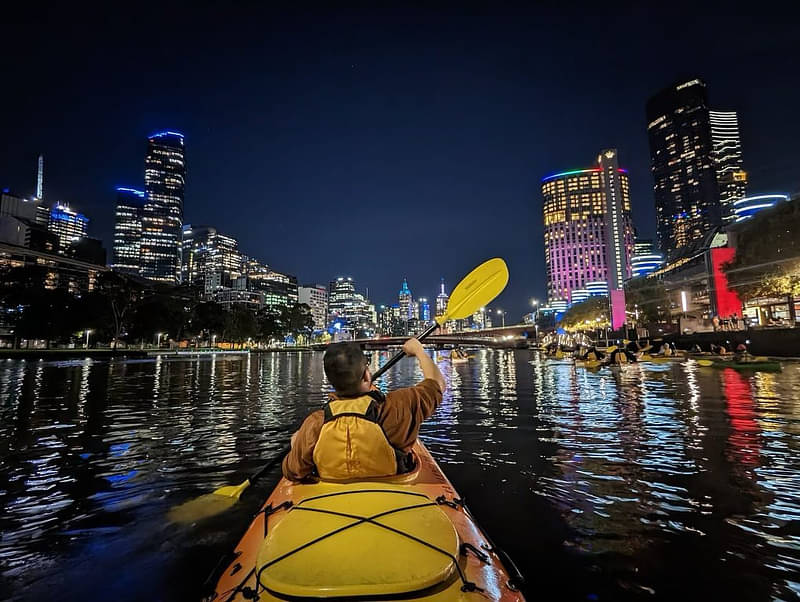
[344, 366]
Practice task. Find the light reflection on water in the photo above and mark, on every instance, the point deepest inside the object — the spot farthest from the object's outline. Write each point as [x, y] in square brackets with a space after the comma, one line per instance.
[665, 479]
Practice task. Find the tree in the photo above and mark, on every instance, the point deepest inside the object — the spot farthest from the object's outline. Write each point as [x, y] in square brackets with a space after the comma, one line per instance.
[297, 319]
[207, 319]
[767, 262]
[648, 298]
[240, 324]
[120, 295]
[594, 311]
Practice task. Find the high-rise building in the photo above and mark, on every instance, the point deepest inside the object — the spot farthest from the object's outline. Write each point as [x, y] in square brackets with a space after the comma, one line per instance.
[210, 260]
[351, 311]
[588, 233]
[747, 207]
[67, 224]
[164, 182]
[277, 289]
[424, 310]
[340, 295]
[17, 206]
[441, 300]
[645, 258]
[128, 231]
[316, 297]
[405, 301]
[731, 177]
[682, 161]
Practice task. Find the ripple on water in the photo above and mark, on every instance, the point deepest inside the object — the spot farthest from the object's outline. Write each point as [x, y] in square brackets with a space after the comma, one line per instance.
[626, 477]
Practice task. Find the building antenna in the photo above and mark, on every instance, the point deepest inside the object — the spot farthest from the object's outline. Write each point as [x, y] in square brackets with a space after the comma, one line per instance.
[40, 178]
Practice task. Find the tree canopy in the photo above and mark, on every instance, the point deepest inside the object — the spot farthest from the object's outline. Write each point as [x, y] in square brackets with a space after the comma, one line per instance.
[577, 316]
[648, 298]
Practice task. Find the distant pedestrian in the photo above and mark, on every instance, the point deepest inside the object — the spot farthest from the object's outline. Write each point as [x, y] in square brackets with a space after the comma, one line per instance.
[715, 322]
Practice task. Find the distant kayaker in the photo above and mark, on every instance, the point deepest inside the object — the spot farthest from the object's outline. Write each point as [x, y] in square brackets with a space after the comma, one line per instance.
[741, 354]
[593, 354]
[361, 433]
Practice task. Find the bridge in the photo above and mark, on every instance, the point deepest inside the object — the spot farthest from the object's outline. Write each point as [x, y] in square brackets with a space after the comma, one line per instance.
[514, 336]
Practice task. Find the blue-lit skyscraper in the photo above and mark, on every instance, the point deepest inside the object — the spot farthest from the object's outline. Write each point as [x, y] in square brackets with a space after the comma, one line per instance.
[67, 224]
[128, 231]
[405, 301]
[162, 220]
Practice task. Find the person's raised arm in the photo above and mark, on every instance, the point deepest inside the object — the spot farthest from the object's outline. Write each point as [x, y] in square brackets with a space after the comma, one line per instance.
[413, 347]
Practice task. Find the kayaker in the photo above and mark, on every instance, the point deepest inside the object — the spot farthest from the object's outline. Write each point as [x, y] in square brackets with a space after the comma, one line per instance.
[741, 354]
[593, 354]
[361, 433]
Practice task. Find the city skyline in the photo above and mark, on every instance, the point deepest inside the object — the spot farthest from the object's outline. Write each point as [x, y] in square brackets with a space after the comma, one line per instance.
[355, 140]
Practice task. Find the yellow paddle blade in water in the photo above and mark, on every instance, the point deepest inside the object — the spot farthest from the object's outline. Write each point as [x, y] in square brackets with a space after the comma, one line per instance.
[207, 505]
[705, 363]
[476, 290]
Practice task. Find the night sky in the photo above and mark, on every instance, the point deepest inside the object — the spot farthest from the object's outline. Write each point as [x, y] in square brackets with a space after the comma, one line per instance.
[378, 145]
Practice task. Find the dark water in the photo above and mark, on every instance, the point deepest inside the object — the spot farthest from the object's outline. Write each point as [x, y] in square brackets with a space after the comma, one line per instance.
[656, 482]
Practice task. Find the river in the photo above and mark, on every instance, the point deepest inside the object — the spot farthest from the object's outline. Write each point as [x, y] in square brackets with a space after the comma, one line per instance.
[657, 481]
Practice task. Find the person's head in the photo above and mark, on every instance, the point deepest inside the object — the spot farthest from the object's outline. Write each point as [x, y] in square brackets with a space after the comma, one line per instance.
[346, 368]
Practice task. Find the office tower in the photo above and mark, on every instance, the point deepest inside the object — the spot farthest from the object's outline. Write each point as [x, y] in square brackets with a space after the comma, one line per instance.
[210, 260]
[645, 258]
[731, 177]
[424, 310]
[584, 210]
[67, 224]
[441, 300]
[128, 231]
[316, 297]
[340, 296]
[164, 182]
[19, 207]
[684, 172]
[747, 207]
[405, 300]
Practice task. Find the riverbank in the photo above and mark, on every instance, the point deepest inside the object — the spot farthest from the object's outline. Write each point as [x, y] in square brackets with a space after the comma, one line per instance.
[777, 342]
[50, 354]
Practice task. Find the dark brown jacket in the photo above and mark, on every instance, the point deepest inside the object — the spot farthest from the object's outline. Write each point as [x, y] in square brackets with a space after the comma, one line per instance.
[400, 416]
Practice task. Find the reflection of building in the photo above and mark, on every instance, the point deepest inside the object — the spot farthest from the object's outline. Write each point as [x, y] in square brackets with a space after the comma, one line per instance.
[128, 231]
[731, 177]
[645, 259]
[748, 206]
[684, 173]
[316, 297]
[165, 178]
[405, 301]
[67, 224]
[588, 234]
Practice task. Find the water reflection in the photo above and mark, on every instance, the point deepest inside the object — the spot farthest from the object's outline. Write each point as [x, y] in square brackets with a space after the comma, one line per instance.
[665, 479]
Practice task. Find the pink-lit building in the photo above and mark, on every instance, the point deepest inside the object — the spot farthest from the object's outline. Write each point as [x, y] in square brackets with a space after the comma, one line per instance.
[588, 233]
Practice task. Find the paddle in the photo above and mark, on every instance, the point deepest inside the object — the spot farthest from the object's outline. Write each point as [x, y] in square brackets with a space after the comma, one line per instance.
[476, 290]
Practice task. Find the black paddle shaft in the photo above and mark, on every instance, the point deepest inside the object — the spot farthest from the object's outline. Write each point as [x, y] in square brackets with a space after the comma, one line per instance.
[422, 336]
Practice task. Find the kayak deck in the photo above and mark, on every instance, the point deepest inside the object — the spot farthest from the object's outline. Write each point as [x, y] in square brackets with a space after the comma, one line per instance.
[406, 538]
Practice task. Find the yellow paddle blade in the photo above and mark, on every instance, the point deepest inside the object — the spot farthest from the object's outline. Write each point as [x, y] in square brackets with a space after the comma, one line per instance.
[706, 363]
[209, 504]
[476, 290]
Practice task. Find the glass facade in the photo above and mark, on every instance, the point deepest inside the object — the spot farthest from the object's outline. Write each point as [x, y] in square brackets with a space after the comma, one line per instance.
[406, 302]
[731, 177]
[128, 230]
[67, 224]
[165, 179]
[209, 260]
[645, 258]
[682, 162]
[584, 210]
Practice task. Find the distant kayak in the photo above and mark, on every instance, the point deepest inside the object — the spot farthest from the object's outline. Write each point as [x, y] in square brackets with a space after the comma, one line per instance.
[762, 365]
[408, 537]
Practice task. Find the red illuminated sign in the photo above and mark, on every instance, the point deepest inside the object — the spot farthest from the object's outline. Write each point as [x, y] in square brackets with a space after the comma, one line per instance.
[727, 301]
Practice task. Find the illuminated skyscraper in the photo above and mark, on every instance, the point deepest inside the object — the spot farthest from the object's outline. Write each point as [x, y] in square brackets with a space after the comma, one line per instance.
[731, 177]
[588, 234]
[424, 310]
[70, 226]
[165, 179]
[747, 207]
[441, 300]
[405, 301]
[209, 260]
[126, 256]
[684, 172]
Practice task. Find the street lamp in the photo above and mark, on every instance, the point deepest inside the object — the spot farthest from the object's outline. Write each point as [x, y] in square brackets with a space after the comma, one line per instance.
[213, 340]
[500, 312]
[88, 332]
[158, 344]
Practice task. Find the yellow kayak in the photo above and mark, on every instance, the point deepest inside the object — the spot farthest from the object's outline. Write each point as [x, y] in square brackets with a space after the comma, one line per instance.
[408, 537]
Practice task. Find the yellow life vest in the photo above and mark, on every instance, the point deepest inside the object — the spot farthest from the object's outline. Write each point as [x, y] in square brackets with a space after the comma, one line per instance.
[351, 443]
